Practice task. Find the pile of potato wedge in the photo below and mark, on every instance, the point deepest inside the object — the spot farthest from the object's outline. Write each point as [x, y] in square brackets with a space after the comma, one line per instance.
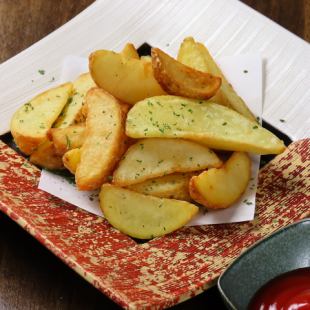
[149, 132]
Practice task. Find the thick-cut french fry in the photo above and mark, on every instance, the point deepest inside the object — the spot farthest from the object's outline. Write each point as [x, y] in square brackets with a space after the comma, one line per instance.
[46, 157]
[128, 80]
[31, 122]
[103, 145]
[71, 159]
[71, 113]
[178, 79]
[220, 188]
[209, 123]
[151, 158]
[141, 216]
[196, 55]
[67, 138]
[173, 186]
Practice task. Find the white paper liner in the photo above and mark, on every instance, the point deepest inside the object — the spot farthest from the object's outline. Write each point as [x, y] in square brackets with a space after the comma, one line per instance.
[245, 74]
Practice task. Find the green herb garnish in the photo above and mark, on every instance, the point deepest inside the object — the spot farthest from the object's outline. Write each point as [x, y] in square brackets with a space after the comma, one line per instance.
[68, 142]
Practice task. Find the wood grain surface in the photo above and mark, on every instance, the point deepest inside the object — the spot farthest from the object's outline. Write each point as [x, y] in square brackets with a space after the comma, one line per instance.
[30, 276]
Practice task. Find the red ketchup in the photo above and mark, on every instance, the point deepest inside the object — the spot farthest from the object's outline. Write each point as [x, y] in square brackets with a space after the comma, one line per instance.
[289, 291]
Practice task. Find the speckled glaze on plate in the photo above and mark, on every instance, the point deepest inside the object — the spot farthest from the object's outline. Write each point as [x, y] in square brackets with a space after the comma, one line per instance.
[166, 270]
[283, 251]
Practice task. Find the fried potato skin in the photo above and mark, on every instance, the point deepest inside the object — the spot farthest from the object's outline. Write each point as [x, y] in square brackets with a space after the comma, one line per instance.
[31, 122]
[67, 138]
[128, 80]
[103, 145]
[141, 216]
[197, 56]
[151, 158]
[219, 188]
[45, 156]
[181, 80]
[214, 125]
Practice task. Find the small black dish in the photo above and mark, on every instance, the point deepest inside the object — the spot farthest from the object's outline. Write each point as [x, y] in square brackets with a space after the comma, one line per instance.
[285, 250]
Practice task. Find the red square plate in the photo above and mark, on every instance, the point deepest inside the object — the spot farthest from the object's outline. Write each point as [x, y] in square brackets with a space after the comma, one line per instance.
[166, 270]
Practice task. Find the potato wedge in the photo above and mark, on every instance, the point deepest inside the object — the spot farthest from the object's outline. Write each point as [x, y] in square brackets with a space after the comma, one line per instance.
[141, 216]
[197, 56]
[71, 113]
[45, 156]
[152, 158]
[192, 54]
[31, 122]
[129, 51]
[173, 186]
[103, 145]
[220, 187]
[67, 138]
[128, 80]
[71, 159]
[178, 79]
[209, 123]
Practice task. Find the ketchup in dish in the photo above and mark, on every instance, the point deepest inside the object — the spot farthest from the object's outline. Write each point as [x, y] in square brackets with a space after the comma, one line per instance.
[289, 291]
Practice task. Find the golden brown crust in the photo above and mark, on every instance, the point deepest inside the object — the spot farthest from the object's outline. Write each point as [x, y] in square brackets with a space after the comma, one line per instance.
[178, 79]
[208, 199]
[103, 144]
[45, 156]
[25, 143]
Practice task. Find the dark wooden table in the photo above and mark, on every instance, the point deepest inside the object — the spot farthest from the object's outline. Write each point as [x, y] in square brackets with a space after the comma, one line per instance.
[30, 276]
